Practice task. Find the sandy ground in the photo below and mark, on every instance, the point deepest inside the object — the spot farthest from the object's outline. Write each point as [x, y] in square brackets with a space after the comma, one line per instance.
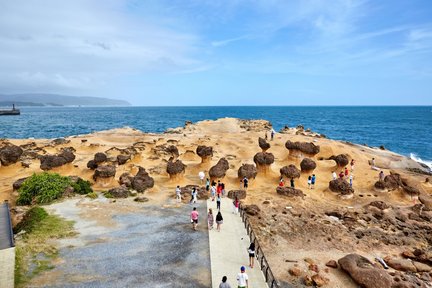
[301, 230]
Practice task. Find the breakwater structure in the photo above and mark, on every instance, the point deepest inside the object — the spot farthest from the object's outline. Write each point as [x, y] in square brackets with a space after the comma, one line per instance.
[14, 111]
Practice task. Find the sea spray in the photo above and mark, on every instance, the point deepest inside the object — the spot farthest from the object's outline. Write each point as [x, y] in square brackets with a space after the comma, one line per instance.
[419, 160]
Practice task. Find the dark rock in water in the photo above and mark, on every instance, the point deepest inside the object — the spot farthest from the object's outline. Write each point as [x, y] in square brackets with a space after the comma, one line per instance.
[290, 171]
[247, 170]
[290, 192]
[382, 147]
[142, 180]
[300, 127]
[100, 157]
[304, 147]
[119, 192]
[122, 159]
[307, 164]
[51, 161]
[341, 160]
[252, 210]
[105, 171]
[263, 144]
[379, 204]
[219, 170]
[341, 186]
[10, 154]
[364, 273]
[264, 158]
[17, 184]
[92, 164]
[205, 152]
[175, 168]
[240, 194]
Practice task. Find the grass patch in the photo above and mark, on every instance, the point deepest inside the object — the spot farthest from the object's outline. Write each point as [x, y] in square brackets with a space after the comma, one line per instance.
[92, 195]
[36, 250]
[107, 194]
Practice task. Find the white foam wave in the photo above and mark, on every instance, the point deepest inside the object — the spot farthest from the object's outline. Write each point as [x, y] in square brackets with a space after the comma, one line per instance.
[418, 159]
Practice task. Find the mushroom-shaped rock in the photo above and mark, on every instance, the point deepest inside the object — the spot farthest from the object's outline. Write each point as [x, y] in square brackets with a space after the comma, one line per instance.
[50, 161]
[290, 171]
[119, 192]
[104, 171]
[10, 154]
[175, 168]
[307, 164]
[100, 157]
[364, 272]
[290, 192]
[341, 186]
[142, 180]
[298, 149]
[263, 144]
[92, 164]
[390, 182]
[122, 159]
[219, 170]
[173, 150]
[247, 170]
[263, 160]
[341, 160]
[205, 152]
[126, 179]
[239, 194]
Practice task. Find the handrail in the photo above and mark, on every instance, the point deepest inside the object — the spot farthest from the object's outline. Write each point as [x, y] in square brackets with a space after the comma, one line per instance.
[10, 237]
[261, 259]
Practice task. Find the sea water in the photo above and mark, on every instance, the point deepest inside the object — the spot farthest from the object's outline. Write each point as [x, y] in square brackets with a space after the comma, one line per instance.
[405, 130]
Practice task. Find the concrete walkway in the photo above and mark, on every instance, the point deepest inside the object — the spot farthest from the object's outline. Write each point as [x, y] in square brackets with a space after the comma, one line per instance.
[228, 249]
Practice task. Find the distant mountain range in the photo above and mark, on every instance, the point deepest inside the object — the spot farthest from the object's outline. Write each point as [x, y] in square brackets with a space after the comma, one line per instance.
[57, 100]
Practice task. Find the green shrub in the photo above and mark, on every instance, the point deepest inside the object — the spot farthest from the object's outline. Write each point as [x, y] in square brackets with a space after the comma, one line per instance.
[31, 219]
[82, 187]
[92, 195]
[107, 194]
[45, 187]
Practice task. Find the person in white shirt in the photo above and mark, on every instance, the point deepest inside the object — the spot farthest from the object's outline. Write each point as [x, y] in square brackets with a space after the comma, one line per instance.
[242, 278]
[334, 175]
[178, 194]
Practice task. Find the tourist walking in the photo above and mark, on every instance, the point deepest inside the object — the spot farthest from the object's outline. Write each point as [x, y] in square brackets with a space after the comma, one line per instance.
[210, 219]
[381, 176]
[341, 175]
[242, 278]
[194, 195]
[208, 185]
[219, 221]
[352, 165]
[281, 182]
[223, 189]
[224, 283]
[178, 193]
[219, 188]
[292, 183]
[201, 175]
[218, 201]
[245, 183]
[194, 218]
[309, 181]
[373, 163]
[251, 251]
[272, 133]
[334, 175]
[313, 181]
[213, 192]
[346, 173]
[351, 180]
[236, 204]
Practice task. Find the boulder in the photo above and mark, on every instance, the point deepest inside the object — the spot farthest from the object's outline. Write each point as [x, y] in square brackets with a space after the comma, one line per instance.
[252, 209]
[320, 280]
[100, 157]
[332, 264]
[422, 267]
[307, 164]
[141, 199]
[142, 180]
[264, 158]
[297, 149]
[247, 170]
[119, 192]
[104, 171]
[380, 185]
[290, 171]
[363, 272]
[219, 170]
[341, 160]
[17, 184]
[92, 164]
[59, 141]
[411, 191]
[175, 168]
[173, 150]
[122, 159]
[295, 271]
[263, 144]
[340, 186]
[427, 201]
[289, 191]
[205, 152]
[50, 161]
[10, 154]
[240, 194]
[401, 264]
[126, 179]
[379, 204]
[392, 181]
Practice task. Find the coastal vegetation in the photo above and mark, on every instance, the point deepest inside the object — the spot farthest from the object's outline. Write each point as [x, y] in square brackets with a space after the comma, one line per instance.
[43, 188]
[35, 249]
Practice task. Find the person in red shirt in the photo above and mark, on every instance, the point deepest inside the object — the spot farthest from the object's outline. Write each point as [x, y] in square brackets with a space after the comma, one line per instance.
[346, 172]
[341, 175]
[281, 182]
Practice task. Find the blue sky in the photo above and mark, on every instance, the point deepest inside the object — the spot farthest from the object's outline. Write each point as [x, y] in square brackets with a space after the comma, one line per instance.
[199, 52]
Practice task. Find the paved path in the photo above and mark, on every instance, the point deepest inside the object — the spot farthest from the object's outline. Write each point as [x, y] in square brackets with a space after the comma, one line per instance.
[228, 249]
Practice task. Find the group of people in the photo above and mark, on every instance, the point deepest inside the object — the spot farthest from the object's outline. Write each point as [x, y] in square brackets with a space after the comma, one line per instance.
[345, 174]
[242, 279]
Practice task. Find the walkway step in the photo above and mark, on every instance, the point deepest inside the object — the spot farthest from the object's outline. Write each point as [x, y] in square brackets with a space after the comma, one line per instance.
[228, 249]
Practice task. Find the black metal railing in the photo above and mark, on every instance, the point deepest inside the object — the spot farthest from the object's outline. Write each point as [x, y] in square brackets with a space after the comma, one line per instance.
[6, 233]
[261, 259]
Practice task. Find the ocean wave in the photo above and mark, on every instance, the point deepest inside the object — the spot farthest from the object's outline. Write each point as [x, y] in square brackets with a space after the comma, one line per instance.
[419, 160]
